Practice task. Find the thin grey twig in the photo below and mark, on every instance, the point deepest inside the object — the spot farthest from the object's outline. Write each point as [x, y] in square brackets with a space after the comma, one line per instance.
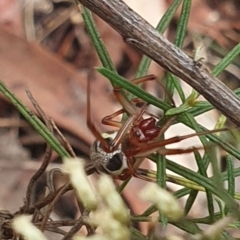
[140, 34]
[47, 157]
[52, 204]
[80, 222]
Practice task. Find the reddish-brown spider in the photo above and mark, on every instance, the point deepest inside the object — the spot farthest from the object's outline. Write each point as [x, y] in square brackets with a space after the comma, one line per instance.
[120, 153]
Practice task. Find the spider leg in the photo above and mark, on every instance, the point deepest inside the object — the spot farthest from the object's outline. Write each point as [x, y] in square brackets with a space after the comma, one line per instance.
[147, 78]
[132, 169]
[174, 151]
[108, 119]
[130, 108]
[146, 174]
[90, 124]
[127, 104]
[125, 127]
[146, 149]
[122, 132]
[152, 77]
[165, 126]
[143, 177]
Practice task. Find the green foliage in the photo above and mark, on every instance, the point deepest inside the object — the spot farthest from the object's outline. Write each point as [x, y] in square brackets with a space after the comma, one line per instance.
[192, 181]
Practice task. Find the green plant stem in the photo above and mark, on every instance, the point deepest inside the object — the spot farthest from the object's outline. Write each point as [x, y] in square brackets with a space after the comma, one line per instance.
[34, 121]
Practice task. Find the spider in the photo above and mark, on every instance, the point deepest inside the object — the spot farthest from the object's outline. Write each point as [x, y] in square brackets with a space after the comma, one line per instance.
[120, 153]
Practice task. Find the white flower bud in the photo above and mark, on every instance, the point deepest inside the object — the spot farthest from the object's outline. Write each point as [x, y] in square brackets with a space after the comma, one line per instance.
[94, 237]
[112, 198]
[214, 230]
[163, 200]
[112, 228]
[174, 237]
[22, 225]
[74, 167]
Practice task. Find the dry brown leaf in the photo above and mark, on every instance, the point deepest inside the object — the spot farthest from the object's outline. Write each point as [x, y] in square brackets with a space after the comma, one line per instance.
[59, 88]
[10, 16]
